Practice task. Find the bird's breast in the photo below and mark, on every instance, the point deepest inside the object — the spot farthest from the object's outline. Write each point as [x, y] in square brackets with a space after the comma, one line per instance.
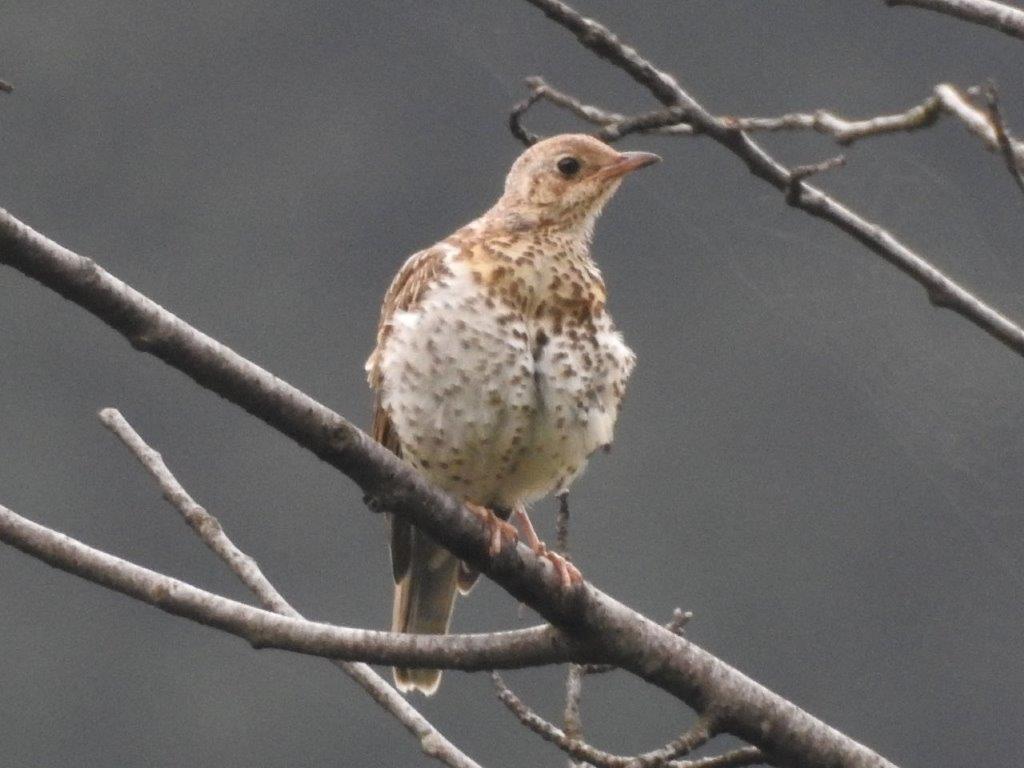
[500, 385]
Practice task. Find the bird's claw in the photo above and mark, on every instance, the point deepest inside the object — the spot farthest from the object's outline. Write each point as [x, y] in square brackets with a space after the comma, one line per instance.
[568, 574]
[500, 532]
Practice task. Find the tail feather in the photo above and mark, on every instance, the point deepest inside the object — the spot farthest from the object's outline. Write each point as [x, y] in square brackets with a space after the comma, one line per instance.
[424, 598]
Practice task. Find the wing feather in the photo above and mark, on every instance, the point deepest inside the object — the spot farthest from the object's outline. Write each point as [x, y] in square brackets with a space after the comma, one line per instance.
[418, 273]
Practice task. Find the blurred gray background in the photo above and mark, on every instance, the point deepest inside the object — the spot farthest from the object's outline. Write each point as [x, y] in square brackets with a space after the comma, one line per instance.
[821, 466]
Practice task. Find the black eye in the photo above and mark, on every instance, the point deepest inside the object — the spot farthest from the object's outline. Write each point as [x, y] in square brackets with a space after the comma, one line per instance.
[568, 166]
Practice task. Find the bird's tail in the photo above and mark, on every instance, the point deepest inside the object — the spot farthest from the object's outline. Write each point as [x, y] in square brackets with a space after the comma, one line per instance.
[424, 598]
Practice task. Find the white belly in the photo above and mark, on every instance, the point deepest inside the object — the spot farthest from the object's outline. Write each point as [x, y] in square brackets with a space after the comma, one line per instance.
[479, 415]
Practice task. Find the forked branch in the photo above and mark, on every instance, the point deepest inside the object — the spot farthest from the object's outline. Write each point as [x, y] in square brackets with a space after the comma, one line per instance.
[681, 107]
[210, 531]
[663, 757]
[591, 626]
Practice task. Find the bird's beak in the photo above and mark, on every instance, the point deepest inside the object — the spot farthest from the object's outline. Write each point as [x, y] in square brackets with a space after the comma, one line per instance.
[627, 162]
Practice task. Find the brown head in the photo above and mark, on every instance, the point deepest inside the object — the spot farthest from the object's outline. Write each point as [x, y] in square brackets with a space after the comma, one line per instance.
[567, 179]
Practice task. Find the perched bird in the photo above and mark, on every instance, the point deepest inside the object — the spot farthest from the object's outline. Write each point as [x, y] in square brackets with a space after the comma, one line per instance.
[498, 370]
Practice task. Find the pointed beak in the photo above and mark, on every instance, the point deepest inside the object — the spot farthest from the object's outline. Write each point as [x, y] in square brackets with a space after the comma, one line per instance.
[627, 162]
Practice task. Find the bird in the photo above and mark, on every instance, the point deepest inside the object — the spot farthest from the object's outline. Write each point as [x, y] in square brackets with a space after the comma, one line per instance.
[497, 369]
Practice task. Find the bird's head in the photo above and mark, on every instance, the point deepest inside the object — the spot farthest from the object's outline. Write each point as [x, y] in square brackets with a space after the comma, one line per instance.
[567, 179]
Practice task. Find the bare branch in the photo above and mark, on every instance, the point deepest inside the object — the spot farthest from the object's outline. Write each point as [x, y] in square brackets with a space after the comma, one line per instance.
[941, 289]
[598, 627]
[209, 530]
[263, 629]
[206, 526]
[614, 126]
[579, 749]
[515, 120]
[946, 99]
[989, 13]
[572, 719]
[798, 173]
[1007, 146]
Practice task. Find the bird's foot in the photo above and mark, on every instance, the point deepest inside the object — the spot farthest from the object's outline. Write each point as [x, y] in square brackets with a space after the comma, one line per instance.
[500, 532]
[568, 573]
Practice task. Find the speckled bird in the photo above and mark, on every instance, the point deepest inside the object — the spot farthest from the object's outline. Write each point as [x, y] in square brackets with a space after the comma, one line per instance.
[498, 370]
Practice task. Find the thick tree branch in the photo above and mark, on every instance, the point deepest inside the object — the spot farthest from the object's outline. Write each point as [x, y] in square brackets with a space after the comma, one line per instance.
[675, 625]
[942, 290]
[209, 530]
[599, 626]
[989, 13]
[263, 629]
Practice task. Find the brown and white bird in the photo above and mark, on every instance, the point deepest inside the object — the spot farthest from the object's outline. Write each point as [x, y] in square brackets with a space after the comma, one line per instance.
[498, 370]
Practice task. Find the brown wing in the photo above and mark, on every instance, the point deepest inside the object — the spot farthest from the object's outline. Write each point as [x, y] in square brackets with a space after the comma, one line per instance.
[420, 271]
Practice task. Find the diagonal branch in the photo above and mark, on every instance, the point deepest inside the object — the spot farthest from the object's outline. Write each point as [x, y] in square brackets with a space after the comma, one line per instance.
[263, 629]
[942, 290]
[206, 526]
[209, 530]
[989, 13]
[599, 626]
[946, 99]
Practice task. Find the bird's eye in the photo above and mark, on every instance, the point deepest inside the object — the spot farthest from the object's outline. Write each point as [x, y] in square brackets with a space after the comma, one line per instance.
[568, 166]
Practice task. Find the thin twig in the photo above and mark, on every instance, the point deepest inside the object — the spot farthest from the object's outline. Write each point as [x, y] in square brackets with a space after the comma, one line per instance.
[205, 525]
[581, 750]
[989, 13]
[798, 173]
[210, 531]
[1006, 144]
[946, 99]
[562, 524]
[572, 719]
[515, 120]
[614, 125]
[656, 121]
[942, 291]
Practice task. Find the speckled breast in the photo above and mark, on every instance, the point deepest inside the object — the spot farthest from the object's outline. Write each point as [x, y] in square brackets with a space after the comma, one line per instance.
[494, 405]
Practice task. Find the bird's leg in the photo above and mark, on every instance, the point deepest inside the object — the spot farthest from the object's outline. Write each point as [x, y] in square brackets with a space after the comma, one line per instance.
[567, 572]
[501, 533]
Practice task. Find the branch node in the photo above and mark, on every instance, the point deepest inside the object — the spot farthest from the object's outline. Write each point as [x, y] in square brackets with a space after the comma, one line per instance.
[797, 175]
[679, 620]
